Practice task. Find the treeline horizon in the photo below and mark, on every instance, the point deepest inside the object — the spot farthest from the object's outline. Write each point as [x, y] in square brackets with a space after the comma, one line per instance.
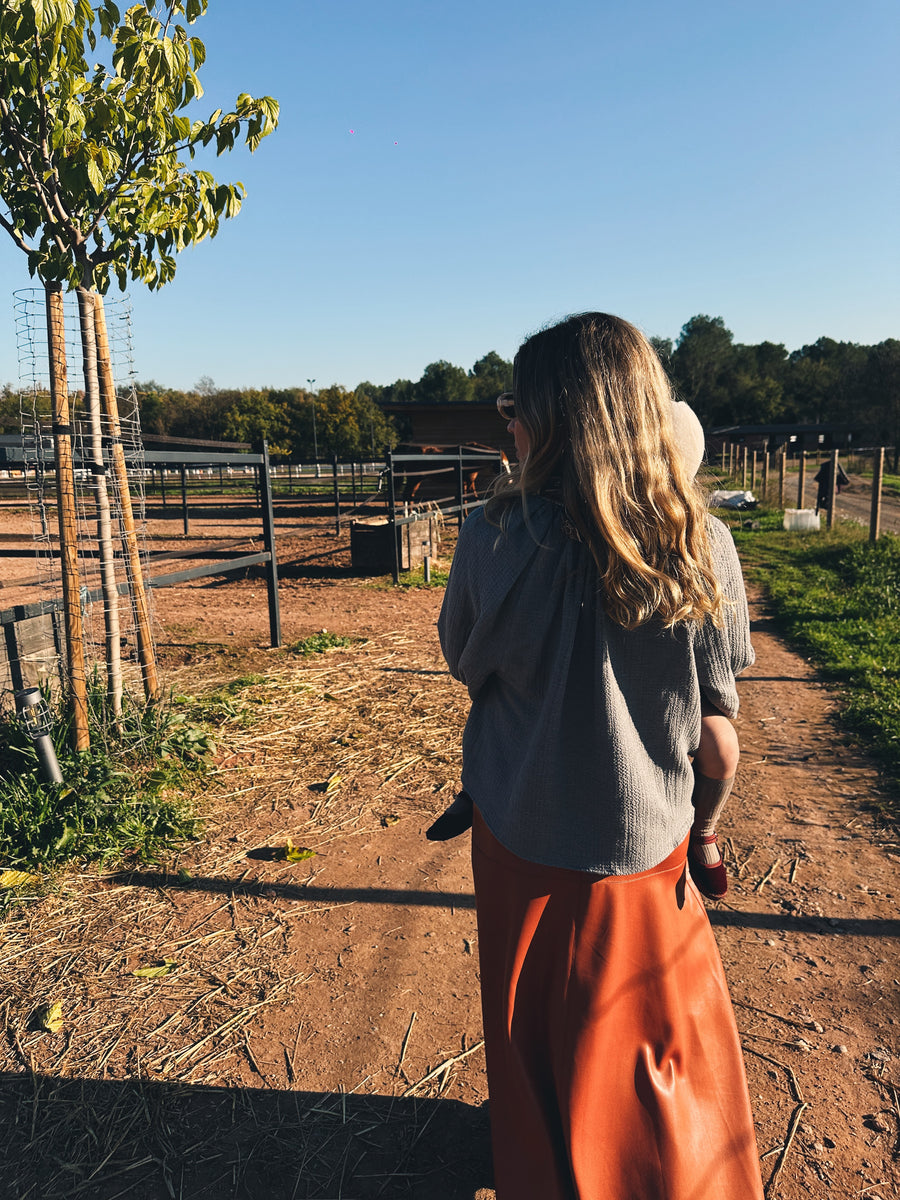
[726, 383]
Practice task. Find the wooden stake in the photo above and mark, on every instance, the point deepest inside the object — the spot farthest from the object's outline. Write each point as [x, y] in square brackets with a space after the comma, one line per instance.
[134, 571]
[101, 499]
[875, 515]
[832, 489]
[782, 465]
[67, 517]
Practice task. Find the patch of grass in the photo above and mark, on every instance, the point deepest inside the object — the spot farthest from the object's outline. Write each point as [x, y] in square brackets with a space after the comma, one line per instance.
[837, 598]
[318, 643]
[416, 578]
[890, 484]
[751, 520]
[124, 798]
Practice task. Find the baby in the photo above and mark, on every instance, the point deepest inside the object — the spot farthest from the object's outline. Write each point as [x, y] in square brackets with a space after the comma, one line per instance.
[715, 761]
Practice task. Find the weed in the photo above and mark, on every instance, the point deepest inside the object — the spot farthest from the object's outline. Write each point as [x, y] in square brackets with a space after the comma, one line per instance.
[416, 578]
[440, 573]
[124, 797]
[318, 643]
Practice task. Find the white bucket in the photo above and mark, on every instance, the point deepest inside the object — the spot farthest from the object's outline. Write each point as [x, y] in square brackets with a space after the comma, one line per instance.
[801, 520]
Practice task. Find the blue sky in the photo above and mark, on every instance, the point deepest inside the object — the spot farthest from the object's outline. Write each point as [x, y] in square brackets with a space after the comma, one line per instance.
[513, 161]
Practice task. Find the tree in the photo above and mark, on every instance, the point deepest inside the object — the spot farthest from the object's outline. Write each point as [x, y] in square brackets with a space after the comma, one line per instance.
[254, 415]
[490, 376]
[882, 381]
[92, 181]
[443, 383]
[350, 424]
[91, 168]
[699, 363]
[826, 380]
[401, 391]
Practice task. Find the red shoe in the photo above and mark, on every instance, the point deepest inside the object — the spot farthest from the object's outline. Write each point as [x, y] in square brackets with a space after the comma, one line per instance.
[711, 880]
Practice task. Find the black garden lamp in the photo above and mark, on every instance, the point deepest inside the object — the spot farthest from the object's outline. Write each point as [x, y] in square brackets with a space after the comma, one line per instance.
[34, 718]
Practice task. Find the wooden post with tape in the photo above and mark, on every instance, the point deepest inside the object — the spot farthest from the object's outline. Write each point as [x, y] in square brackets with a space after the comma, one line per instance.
[67, 516]
[133, 567]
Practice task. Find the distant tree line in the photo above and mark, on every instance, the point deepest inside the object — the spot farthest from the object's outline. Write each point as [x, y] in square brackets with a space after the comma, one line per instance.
[725, 382]
[827, 382]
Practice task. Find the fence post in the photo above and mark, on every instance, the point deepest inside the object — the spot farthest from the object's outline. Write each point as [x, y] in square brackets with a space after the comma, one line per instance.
[337, 495]
[832, 489]
[754, 464]
[765, 475]
[744, 467]
[392, 517]
[877, 473]
[459, 486]
[184, 503]
[268, 517]
[801, 483]
[782, 466]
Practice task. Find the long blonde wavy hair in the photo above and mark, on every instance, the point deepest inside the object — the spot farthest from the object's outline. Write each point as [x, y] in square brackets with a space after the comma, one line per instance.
[595, 403]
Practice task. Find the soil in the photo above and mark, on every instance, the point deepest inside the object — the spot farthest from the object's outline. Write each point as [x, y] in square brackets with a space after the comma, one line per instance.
[355, 1069]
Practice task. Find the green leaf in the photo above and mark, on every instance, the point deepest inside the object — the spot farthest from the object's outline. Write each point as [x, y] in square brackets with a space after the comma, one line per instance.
[48, 1017]
[166, 967]
[94, 175]
[16, 879]
[294, 853]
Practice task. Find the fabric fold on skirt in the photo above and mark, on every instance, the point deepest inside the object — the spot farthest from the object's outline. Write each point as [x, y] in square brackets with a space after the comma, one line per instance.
[614, 1066]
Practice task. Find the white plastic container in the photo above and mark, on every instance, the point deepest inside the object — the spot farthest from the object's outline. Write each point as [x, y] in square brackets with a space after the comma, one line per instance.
[801, 520]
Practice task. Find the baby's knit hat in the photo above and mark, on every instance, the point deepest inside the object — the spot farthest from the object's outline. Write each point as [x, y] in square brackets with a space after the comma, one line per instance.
[689, 435]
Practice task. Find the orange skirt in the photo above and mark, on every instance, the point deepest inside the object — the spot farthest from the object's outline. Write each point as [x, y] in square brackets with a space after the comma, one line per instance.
[614, 1065]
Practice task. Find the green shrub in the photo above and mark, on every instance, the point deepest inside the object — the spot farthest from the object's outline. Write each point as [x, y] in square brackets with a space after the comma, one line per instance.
[122, 798]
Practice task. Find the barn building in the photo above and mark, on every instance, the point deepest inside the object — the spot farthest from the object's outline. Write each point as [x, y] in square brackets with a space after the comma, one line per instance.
[773, 437]
[451, 425]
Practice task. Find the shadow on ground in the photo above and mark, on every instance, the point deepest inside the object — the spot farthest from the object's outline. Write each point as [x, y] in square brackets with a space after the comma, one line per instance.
[68, 1138]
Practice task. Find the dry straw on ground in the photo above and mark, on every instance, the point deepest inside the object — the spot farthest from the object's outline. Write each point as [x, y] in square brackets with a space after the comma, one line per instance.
[313, 751]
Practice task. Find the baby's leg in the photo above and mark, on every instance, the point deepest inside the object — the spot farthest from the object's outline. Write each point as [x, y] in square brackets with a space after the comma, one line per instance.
[453, 820]
[715, 764]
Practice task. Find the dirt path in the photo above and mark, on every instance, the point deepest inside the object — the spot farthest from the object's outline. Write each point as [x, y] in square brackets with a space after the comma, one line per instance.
[318, 1035]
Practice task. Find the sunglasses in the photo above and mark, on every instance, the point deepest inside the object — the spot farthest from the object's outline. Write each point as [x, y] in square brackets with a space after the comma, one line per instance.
[506, 406]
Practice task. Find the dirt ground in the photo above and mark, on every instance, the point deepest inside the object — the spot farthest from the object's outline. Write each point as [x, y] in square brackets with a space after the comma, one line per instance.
[318, 1032]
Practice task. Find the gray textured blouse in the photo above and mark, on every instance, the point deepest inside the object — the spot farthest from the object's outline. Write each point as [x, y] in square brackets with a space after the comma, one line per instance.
[577, 743]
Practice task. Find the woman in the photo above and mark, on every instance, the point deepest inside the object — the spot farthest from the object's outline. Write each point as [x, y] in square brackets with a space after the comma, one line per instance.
[587, 613]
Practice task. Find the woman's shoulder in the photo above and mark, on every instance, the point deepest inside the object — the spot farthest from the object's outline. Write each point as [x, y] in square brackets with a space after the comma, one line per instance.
[510, 518]
[721, 541]
[719, 532]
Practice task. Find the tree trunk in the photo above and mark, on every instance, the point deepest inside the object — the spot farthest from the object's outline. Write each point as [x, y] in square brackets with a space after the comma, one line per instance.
[134, 570]
[67, 517]
[101, 499]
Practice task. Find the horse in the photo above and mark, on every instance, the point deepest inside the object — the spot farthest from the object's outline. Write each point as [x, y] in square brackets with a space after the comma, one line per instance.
[439, 482]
